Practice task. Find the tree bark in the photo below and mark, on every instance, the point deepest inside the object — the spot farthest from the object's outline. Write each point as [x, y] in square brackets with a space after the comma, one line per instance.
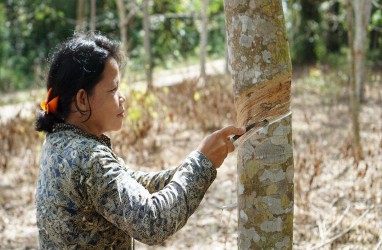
[203, 40]
[361, 15]
[355, 100]
[93, 7]
[80, 26]
[147, 44]
[122, 24]
[261, 70]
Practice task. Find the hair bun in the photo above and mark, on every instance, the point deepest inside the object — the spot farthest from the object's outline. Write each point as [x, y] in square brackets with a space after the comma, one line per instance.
[45, 122]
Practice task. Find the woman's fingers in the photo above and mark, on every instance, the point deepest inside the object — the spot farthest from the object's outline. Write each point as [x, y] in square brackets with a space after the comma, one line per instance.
[231, 130]
[230, 146]
[217, 145]
[228, 131]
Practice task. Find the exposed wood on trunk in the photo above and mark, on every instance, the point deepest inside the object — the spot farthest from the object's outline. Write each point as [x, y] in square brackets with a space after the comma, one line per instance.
[261, 69]
[273, 96]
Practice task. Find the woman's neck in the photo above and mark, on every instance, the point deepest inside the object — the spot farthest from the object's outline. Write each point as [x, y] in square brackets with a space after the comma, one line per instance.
[83, 125]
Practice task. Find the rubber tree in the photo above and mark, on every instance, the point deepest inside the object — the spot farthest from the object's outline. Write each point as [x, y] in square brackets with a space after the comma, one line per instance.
[80, 22]
[147, 44]
[357, 40]
[362, 11]
[260, 66]
[203, 40]
[122, 24]
[93, 8]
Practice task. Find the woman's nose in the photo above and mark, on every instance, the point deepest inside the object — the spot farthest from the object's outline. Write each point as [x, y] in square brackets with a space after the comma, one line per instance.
[122, 98]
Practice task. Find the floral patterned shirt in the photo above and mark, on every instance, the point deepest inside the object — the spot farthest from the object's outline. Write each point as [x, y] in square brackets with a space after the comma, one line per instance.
[87, 198]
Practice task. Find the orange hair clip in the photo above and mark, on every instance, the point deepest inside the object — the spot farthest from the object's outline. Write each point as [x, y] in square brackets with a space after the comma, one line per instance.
[50, 106]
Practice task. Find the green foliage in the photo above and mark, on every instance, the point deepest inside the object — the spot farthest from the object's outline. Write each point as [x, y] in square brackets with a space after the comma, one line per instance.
[30, 29]
[325, 81]
[316, 29]
[305, 18]
[142, 109]
[141, 102]
[339, 60]
[375, 45]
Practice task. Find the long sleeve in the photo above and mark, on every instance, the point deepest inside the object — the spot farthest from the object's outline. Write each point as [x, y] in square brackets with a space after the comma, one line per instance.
[149, 218]
[155, 181]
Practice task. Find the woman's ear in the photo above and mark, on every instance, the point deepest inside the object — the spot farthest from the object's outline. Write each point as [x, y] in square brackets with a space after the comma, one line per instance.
[82, 101]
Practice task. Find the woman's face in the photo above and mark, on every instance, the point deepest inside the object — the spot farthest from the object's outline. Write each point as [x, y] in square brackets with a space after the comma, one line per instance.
[106, 101]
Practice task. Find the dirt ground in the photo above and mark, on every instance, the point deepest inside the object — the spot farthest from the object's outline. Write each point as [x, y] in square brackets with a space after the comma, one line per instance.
[338, 204]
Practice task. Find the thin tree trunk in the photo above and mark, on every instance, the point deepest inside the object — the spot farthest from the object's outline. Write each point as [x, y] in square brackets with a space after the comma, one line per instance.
[227, 76]
[146, 27]
[80, 26]
[93, 7]
[355, 101]
[122, 24]
[362, 15]
[203, 40]
[261, 69]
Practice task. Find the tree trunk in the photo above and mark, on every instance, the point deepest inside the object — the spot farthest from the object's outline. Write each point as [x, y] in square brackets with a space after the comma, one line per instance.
[122, 24]
[146, 27]
[203, 40]
[80, 26]
[362, 16]
[93, 15]
[227, 76]
[261, 70]
[355, 101]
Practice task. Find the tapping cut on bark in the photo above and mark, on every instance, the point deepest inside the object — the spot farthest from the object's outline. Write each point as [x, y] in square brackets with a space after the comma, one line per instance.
[260, 66]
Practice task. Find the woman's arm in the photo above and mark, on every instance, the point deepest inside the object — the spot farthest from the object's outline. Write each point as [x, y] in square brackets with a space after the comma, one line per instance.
[215, 147]
[149, 218]
[152, 181]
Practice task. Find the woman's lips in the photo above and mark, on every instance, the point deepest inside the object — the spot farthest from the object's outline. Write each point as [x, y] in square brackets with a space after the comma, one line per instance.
[122, 114]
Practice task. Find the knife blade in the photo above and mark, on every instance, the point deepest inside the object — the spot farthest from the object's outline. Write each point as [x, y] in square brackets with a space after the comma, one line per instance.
[249, 127]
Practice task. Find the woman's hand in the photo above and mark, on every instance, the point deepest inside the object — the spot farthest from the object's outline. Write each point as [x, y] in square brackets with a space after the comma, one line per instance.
[217, 145]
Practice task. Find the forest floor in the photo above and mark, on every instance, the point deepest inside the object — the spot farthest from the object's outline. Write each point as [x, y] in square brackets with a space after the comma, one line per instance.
[338, 204]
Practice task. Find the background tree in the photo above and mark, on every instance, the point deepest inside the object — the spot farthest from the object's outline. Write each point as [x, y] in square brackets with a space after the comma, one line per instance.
[33, 28]
[81, 24]
[261, 69]
[362, 10]
[147, 43]
[122, 24]
[305, 29]
[357, 54]
[203, 40]
[93, 8]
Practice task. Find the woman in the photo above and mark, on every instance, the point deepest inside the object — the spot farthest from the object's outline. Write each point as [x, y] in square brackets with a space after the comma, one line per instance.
[86, 196]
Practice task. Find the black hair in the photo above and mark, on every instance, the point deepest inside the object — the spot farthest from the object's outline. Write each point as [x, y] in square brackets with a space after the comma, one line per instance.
[76, 64]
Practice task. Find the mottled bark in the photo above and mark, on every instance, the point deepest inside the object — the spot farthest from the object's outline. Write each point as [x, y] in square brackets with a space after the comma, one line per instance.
[261, 69]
